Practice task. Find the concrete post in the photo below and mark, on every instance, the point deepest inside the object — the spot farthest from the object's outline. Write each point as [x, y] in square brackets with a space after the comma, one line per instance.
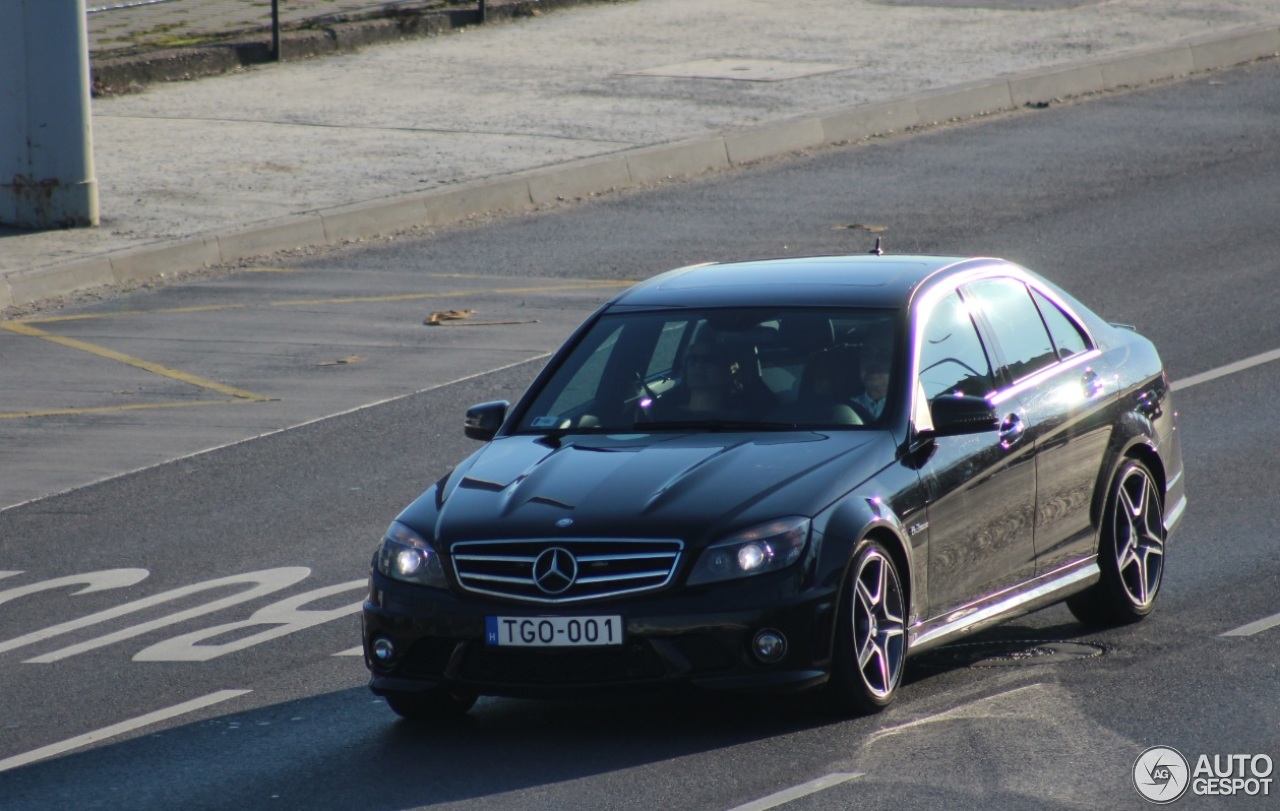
[46, 138]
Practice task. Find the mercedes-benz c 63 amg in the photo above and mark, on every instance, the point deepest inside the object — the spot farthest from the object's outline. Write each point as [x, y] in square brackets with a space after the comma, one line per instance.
[784, 474]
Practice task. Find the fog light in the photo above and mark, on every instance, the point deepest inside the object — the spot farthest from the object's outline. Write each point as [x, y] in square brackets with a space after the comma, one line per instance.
[383, 650]
[769, 646]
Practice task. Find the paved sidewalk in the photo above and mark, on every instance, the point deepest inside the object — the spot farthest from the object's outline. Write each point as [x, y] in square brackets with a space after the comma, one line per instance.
[123, 26]
[507, 118]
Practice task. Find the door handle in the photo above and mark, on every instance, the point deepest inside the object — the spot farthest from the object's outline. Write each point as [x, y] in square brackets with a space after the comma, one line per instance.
[1011, 430]
[1091, 382]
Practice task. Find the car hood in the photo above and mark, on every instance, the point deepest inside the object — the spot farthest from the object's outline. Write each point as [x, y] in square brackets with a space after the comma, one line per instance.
[689, 486]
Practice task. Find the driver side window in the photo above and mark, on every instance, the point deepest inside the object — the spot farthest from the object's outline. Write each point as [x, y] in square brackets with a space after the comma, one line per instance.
[952, 358]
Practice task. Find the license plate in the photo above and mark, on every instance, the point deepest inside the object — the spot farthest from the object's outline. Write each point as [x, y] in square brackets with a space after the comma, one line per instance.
[553, 632]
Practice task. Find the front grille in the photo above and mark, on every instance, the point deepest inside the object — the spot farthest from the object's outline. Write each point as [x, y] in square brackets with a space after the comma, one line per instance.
[565, 570]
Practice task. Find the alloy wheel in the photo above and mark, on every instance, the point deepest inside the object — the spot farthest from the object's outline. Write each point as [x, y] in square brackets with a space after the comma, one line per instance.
[879, 627]
[1139, 537]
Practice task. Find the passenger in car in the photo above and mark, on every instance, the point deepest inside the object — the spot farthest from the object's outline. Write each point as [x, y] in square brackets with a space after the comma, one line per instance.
[720, 380]
[823, 394]
[706, 385]
[875, 387]
[708, 376]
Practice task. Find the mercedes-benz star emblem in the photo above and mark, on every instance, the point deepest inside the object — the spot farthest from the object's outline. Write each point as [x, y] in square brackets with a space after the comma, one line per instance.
[555, 570]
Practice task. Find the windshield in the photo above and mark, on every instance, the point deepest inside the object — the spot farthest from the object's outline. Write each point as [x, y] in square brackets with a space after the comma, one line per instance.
[725, 369]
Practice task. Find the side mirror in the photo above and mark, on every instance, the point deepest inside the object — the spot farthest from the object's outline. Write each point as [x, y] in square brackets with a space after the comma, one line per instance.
[484, 420]
[954, 415]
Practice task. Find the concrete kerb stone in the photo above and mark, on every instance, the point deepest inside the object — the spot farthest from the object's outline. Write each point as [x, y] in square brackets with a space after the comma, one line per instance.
[149, 263]
[301, 232]
[965, 101]
[523, 192]
[579, 179]
[1056, 84]
[884, 118]
[1212, 53]
[29, 286]
[367, 220]
[773, 140]
[1144, 68]
[457, 204]
[681, 159]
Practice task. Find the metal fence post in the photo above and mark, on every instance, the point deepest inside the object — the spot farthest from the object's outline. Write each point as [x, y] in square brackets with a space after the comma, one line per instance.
[482, 10]
[275, 30]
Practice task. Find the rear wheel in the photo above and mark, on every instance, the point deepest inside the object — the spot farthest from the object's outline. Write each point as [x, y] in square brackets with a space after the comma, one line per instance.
[430, 705]
[871, 634]
[1130, 552]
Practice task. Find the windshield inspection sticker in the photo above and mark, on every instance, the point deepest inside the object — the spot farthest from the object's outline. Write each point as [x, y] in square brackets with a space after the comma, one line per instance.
[545, 422]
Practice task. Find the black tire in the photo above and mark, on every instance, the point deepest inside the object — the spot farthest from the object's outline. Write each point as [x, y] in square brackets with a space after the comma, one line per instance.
[430, 705]
[1130, 552]
[870, 649]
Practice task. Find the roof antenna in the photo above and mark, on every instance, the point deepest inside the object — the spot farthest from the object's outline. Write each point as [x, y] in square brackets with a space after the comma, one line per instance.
[877, 250]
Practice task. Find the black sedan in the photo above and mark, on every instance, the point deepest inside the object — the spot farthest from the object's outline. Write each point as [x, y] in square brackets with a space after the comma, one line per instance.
[784, 474]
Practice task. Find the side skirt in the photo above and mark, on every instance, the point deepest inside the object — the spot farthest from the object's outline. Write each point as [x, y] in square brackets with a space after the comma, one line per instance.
[1042, 591]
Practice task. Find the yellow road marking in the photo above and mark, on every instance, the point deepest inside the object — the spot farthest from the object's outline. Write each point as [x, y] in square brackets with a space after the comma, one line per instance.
[560, 288]
[22, 328]
[25, 327]
[456, 294]
[63, 412]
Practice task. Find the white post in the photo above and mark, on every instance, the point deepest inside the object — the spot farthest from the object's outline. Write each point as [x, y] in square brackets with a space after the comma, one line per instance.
[46, 134]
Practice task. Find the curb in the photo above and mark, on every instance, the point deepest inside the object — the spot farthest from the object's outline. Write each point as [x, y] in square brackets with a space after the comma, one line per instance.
[525, 191]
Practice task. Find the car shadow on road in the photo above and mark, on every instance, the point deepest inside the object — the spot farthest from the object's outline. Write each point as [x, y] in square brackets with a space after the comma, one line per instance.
[346, 749]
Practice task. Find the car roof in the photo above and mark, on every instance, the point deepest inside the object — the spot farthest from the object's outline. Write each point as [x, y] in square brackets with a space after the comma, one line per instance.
[865, 280]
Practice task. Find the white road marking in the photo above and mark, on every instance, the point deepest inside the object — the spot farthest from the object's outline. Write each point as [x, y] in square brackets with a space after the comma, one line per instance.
[287, 617]
[119, 729]
[992, 706]
[358, 650]
[802, 790]
[1229, 369]
[264, 582]
[1213, 374]
[1255, 627]
[92, 581]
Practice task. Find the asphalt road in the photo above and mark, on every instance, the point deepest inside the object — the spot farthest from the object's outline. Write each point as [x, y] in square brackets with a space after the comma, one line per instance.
[208, 663]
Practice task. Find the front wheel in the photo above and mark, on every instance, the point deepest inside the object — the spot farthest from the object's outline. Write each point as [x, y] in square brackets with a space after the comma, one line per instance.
[431, 705]
[1130, 552]
[871, 634]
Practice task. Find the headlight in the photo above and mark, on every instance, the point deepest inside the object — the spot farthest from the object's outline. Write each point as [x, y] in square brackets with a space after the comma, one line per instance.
[406, 555]
[764, 548]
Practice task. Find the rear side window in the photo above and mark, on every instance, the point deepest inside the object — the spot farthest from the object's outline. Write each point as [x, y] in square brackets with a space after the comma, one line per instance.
[952, 358]
[1020, 333]
[1068, 338]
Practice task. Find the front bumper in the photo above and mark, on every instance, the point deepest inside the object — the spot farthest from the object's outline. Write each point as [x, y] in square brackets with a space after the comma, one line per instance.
[691, 638]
